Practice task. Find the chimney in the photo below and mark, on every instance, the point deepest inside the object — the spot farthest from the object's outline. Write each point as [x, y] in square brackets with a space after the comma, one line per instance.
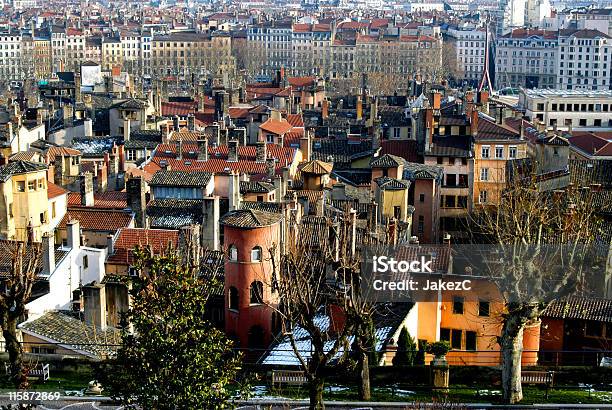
[87, 191]
[203, 154]
[77, 87]
[165, 129]
[127, 129]
[469, 105]
[176, 123]
[94, 297]
[73, 234]
[136, 200]
[325, 109]
[189, 245]
[261, 152]
[68, 115]
[374, 110]
[58, 170]
[110, 244]
[102, 178]
[305, 146]
[234, 191]
[280, 184]
[359, 108]
[474, 122]
[436, 98]
[88, 127]
[232, 151]
[48, 254]
[113, 167]
[210, 223]
[271, 167]
[179, 149]
[191, 122]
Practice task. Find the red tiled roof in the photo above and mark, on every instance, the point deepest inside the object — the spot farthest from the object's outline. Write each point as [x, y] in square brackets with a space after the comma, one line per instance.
[301, 28]
[295, 120]
[491, 130]
[591, 143]
[158, 239]
[53, 152]
[97, 220]
[276, 127]
[105, 200]
[525, 33]
[406, 149]
[54, 190]
[179, 108]
[238, 112]
[301, 81]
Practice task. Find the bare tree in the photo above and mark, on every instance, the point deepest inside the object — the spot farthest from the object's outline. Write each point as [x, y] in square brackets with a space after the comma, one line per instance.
[25, 258]
[542, 242]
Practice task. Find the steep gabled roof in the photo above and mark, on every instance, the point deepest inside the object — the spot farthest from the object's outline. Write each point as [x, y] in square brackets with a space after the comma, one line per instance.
[250, 218]
[316, 167]
[386, 161]
[19, 167]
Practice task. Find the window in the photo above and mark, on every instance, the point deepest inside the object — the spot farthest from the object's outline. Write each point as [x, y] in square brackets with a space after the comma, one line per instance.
[445, 334]
[421, 225]
[131, 155]
[41, 183]
[512, 152]
[583, 122]
[85, 261]
[484, 174]
[256, 292]
[470, 340]
[270, 139]
[484, 153]
[456, 339]
[396, 133]
[53, 212]
[458, 305]
[484, 308]
[499, 152]
[233, 298]
[233, 253]
[133, 271]
[31, 185]
[421, 197]
[43, 217]
[10, 210]
[256, 254]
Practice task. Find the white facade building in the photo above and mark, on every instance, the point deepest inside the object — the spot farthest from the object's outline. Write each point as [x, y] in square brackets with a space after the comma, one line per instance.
[568, 109]
[10, 56]
[584, 60]
[526, 58]
[469, 46]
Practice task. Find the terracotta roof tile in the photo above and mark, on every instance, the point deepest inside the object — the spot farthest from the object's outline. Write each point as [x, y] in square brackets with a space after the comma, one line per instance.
[158, 239]
[97, 220]
[106, 200]
[276, 127]
[54, 190]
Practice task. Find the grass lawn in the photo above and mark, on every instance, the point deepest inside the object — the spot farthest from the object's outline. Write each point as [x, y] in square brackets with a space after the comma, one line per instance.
[58, 381]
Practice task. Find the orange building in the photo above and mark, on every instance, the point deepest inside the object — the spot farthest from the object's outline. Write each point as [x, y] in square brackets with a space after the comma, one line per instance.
[250, 298]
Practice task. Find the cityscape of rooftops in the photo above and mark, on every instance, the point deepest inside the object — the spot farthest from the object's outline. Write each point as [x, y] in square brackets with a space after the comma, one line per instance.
[343, 204]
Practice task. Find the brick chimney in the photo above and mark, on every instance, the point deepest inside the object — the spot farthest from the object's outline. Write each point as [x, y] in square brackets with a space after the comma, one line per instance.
[94, 297]
[86, 189]
[48, 250]
[232, 151]
[191, 122]
[127, 129]
[359, 108]
[325, 109]
[176, 123]
[261, 152]
[474, 122]
[305, 146]
[136, 200]
[436, 99]
[270, 167]
[203, 154]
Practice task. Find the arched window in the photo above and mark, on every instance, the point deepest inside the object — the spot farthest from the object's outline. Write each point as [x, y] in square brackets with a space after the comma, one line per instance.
[256, 254]
[256, 337]
[233, 253]
[256, 292]
[233, 298]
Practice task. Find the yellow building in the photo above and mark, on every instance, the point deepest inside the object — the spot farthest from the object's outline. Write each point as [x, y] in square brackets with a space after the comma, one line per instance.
[494, 146]
[24, 206]
[392, 199]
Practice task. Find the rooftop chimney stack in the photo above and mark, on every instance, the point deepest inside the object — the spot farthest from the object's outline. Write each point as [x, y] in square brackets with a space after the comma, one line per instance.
[271, 167]
[232, 151]
[127, 129]
[203, 154]
[191, 122]
[48, 254]
[137, 200]
[86, 188]
[73, 234]
[261, 152]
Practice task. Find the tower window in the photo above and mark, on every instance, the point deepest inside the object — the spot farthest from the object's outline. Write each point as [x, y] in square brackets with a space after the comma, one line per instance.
[256, 292]
[256, 254]
[233, 298]
[233, 253]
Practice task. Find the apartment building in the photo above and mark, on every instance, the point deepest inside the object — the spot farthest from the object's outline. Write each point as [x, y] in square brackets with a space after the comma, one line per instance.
[468, 46]
[184, 54]
[131, 49]
[527, 58]
[568, 109]
[275, 40]
[10, 56]
[584, 60]
[58, 48]
[112, 53]
[75, 48]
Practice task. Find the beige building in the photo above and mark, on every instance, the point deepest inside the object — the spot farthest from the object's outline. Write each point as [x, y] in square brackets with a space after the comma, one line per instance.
[184, 54]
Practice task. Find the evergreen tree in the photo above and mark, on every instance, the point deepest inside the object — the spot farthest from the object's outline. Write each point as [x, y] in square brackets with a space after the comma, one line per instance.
[406, 350]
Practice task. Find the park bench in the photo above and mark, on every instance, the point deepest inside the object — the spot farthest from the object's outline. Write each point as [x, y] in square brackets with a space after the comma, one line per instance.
[535, 377]
[292, 377]
[40, 371]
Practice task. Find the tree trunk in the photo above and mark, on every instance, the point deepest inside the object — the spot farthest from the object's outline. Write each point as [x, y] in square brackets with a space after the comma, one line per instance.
[511, 342]
[316, 385]
[15, 351]
[364, 375]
